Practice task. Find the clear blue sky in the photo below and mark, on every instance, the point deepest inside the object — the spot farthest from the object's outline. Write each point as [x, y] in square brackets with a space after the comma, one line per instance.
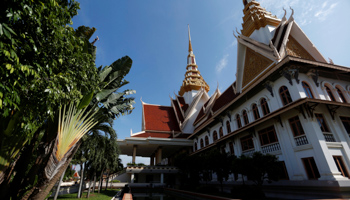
[154, 34]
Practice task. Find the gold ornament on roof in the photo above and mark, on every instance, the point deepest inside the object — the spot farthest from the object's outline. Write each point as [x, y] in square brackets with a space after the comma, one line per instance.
[256, 17]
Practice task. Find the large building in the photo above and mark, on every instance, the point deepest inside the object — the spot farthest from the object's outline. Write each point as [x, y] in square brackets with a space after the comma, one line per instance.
[286, 100]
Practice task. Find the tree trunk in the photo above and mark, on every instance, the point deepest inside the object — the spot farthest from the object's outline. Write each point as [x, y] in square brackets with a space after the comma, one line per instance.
[93, 187]
[80, 191]
[45, 186]
[107, 178]
[59, 185]
[100, 183]
[88, 194]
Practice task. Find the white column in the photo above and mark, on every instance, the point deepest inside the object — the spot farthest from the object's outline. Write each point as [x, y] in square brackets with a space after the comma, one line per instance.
[159, 155]
[323, 158]
[152, 160]
[161, 178]
[132, 177]
[134, 154]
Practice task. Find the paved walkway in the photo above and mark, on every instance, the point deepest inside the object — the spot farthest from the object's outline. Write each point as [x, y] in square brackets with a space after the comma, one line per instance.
[127, 196]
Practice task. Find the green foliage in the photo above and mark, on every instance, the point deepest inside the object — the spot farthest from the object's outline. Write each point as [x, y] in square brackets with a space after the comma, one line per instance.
[44, 64]
[258, 168]
[112, 79]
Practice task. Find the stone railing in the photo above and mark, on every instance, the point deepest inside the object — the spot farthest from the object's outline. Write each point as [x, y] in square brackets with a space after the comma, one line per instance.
[248, 152]
[301, 140]
[271, 147]
[329, 137]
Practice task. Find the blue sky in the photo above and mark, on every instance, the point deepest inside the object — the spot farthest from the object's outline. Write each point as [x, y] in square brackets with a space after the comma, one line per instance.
[154, 34]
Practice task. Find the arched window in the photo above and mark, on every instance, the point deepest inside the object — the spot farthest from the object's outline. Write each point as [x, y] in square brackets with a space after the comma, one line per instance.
[228, 127]
[341, 95]
[239, 123]
[202, 143]
[255, 112]
[221, 132]
[215, 136]
[264, 106]
[206, 140]
[195, 146]
[245, 117]
[307, 90]
[330, 93]
[285, 95]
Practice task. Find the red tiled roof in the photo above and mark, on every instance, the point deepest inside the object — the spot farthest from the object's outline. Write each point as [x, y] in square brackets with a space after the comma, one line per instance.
[178, 111]
[157, 135]
[160, 118]
[183, 104]
[224, 99]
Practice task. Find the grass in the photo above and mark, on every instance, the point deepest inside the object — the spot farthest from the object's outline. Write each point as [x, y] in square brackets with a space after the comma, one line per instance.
[104, 195]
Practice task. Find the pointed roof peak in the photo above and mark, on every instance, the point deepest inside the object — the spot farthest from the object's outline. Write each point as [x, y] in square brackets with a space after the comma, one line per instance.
[256, 17]
[189, 39]
[193, 79]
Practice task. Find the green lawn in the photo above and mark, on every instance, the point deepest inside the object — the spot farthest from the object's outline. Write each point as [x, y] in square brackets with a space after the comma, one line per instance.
[104, 195]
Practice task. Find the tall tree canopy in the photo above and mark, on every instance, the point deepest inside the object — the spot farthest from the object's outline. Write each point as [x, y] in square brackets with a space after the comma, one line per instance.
[45, 63]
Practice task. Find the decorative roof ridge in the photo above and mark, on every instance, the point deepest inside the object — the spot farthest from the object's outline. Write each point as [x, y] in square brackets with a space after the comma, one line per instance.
[270, 55]
[190, 108]
[148, 104]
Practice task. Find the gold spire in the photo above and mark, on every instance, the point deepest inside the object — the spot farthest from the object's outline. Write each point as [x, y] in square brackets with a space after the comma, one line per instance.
[189, 39]
[193, 79]
[256, 17]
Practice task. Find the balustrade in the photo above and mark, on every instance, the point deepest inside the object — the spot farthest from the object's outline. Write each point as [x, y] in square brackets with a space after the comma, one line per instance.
[301, 140]
[329, 137]
[271, 147]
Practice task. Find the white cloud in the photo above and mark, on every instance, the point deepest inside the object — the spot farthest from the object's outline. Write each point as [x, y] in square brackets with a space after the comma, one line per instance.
[305, 11]
[325, 11]
[222, 64]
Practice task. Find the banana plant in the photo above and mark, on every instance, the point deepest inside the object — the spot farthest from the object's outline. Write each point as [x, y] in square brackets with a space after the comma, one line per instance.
[112, 79]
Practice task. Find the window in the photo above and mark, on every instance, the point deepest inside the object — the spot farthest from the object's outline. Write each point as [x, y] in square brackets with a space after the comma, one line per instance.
[215, 136]
[295, 124]
[255, 112]
[247, 143]
[285, 95]
[206, 140]
[346, 123]
[341, 95]
[267, 136]
[307, 90]
[341, 166]
[228, 126]
[322, 122]
[202, 143]
[264, 106]
[232, 151]
[311, 168]
[239, 123]
[245, 117]
[330, 93]
[221, 133]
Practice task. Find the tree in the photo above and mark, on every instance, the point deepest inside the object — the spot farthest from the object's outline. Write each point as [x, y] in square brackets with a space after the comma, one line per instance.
[258, 168]
[220, 164]
[45, 64]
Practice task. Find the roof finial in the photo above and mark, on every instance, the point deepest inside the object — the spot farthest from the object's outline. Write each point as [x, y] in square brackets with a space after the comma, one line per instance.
[189, 39]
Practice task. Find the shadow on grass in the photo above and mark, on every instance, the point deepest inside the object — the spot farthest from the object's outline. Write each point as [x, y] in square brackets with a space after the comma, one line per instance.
[103, 195]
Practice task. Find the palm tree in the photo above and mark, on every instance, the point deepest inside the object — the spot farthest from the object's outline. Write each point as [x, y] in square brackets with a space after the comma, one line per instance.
[111, 104]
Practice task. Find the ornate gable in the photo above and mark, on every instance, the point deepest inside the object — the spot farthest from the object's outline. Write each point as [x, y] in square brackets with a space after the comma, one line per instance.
[254, 64]
[296, 50]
